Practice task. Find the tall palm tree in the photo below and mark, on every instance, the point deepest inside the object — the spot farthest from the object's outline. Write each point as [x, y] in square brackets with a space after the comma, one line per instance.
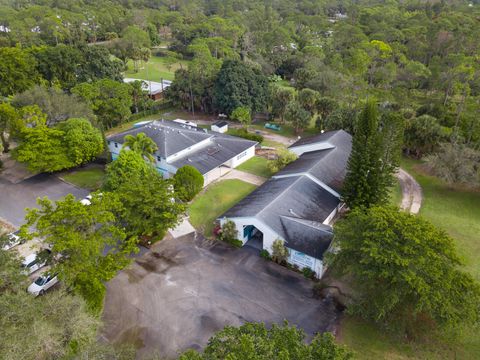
[141, 144]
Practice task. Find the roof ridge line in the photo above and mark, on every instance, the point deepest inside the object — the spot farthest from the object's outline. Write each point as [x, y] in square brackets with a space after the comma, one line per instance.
[309, 225]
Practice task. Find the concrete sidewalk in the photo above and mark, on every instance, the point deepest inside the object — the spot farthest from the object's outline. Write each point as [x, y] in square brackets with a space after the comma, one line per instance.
[182, 229]
[244, 176]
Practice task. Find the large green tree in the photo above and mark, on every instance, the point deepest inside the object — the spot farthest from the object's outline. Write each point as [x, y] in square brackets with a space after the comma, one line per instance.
[374, 158]
[110, 100]
[129, 164]
[17, 70]
[82, 142]
[56, 104]
[188, 182]
[296, 115]
[88, 245]
[255, 341]
[405, 271]
[238, 84]
[151, 205]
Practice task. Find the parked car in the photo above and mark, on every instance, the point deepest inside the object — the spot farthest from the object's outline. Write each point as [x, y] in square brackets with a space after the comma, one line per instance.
[42, 284]
[33, 262]
[12, 240]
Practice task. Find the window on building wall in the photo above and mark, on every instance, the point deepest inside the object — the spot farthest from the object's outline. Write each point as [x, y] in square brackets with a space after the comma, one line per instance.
[158, 158]
[116, 145]
[108, 142]
[241, 155]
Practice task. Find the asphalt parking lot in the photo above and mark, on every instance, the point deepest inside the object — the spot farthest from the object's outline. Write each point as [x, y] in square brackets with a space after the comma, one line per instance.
[14, 198]
[177, 295]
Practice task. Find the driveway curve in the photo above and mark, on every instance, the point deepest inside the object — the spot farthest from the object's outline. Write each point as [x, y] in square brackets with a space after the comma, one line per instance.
[411, 192]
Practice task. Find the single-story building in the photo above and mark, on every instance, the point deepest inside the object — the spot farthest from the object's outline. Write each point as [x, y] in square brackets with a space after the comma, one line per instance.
[212, 154]
[297, 205]
[154, 89]
[220, 126]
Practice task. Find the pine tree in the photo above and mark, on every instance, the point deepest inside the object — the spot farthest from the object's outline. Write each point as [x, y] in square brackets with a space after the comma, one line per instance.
[374, 158]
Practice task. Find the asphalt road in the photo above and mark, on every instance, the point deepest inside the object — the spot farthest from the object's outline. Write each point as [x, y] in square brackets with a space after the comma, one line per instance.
[14, 198]
[179, 294]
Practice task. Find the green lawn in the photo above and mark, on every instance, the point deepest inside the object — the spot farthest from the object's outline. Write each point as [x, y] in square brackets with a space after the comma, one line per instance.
[155, 69]
[458, 212]
[257, 165]
[396, 194]
[88, 178]
[217, 199]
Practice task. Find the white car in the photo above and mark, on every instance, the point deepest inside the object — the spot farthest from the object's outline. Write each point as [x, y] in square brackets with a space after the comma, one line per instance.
[42, 284]
[32, 263]
[12, 240]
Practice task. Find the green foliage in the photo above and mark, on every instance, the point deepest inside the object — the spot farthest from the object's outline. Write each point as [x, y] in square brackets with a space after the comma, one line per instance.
[88, 246]
[265, 254]
[9, 116]
[279, 251]
[243, 133]
[110, 100]
[229, 232]
[151, 207]
[129, 164]
[239, 85]
[57, 105]
[141, 144]
[188, 182]
[374, 158]
[284, 157]
[406, 271]
[17, 70]
[73, 142]
[242, 115]
[255, 341]
[308, 273]
[422, 135]
[42, 149]
[456, 164]
[280, 98]
[297, 116]
[98, 64]
[82, 142]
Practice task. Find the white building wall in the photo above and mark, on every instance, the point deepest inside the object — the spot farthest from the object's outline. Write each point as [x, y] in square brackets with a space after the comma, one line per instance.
[221, 130]
[303, 260]
[242, 157]
[269, 236]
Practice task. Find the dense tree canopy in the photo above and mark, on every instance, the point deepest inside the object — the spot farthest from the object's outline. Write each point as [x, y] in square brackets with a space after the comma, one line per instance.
[88, 246]
[188, 182]
[406, 271]
[255, 341]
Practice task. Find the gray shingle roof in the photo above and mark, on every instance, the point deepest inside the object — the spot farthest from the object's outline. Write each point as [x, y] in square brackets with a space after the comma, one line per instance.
[309, 237]
[336, 138]
[330, 165]
[287, 198]
[170, 137]
[221, 149]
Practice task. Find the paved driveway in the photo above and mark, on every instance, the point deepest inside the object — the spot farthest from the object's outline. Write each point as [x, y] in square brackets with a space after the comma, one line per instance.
[177, 295]
[14, 198]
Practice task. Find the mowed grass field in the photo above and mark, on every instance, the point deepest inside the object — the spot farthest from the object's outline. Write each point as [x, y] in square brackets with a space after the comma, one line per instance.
[257, 165]
[457, 211]
[218, 198]
[155, 69]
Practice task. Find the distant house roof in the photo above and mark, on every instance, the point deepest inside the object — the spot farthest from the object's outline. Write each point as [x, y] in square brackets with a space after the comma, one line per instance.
[172, 137]
[152, 87]
[220, 123]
